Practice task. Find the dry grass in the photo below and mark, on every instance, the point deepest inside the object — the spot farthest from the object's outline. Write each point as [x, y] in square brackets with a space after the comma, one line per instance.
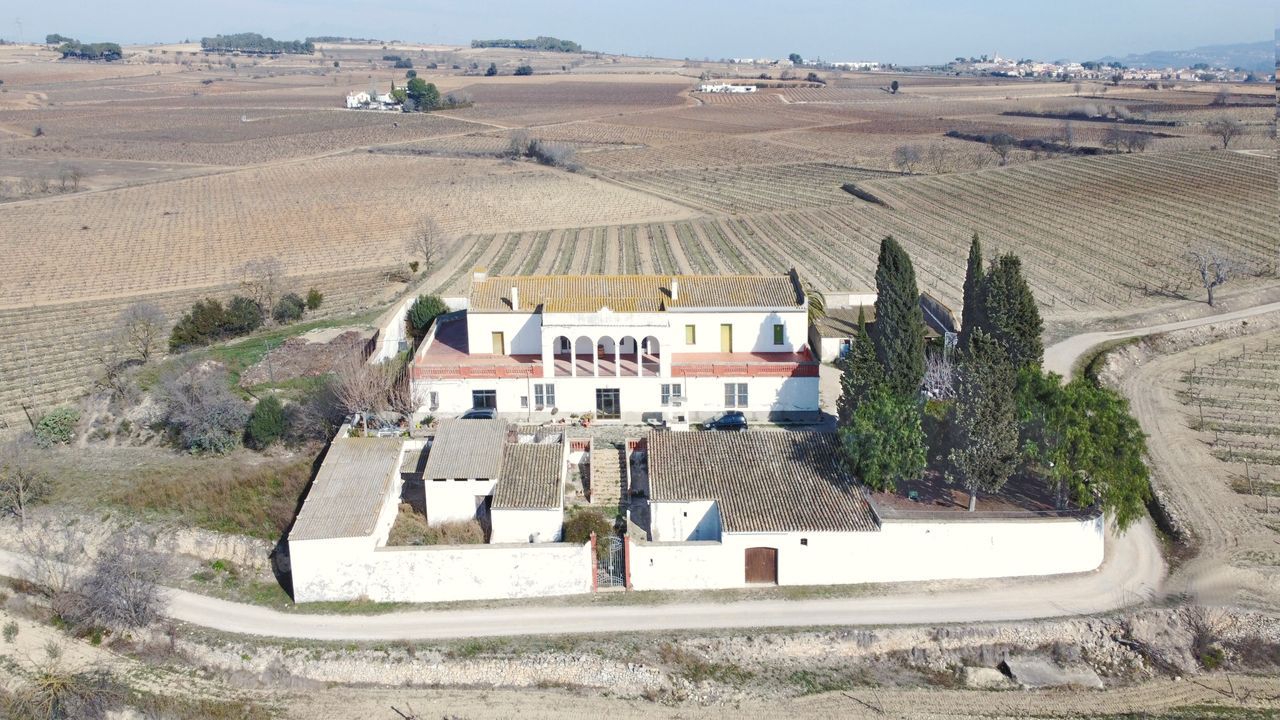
[411, 528]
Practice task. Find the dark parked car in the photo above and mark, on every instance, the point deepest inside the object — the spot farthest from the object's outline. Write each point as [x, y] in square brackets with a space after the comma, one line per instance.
[732, 420]
[479, 414]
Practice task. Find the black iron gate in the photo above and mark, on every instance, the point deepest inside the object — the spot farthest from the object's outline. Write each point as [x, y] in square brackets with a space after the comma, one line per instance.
[611, 563]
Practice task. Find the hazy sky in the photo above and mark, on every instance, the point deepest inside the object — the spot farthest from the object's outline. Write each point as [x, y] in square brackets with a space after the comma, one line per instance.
[903, 32]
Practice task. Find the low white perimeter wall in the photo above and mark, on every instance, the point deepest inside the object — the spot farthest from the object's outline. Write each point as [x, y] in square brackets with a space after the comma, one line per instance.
[900, 551]
[440, 573]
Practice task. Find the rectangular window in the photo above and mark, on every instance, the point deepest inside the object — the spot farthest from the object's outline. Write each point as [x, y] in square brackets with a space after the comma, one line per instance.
[779, 332]
[544, 395]
[670, 392]
[735, 395]
[524, 401]
[435, 400]
[484, 399]
[690, 335]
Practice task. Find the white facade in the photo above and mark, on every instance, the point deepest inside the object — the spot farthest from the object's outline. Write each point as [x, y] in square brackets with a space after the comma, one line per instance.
[455, 500]
[527, 525]
[530, 364]
[901, 551]
[726, 88]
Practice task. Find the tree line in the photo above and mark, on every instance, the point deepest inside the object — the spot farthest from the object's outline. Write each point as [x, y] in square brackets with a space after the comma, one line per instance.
[72, 48]
[991, 415]
[542, 42]
[253, 42]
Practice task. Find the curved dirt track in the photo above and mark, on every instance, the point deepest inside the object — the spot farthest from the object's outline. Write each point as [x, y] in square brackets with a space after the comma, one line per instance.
[1228, 526]
[1061, 357]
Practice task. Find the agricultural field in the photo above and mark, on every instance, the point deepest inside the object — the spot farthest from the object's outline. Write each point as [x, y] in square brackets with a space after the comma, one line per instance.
[315, 216]
[1236, 400]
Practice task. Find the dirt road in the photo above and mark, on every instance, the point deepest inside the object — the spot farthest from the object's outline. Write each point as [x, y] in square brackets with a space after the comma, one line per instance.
[1061, 358]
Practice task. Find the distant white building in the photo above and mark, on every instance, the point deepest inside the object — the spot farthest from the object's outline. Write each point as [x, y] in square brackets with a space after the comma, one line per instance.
[726, 88]
[856, 65]
[358, 100]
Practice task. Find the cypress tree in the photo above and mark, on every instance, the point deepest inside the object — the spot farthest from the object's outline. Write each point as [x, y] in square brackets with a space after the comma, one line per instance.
[973, 276]
[1009, 313]
[898, 334]
[860, 372]
[986, 418]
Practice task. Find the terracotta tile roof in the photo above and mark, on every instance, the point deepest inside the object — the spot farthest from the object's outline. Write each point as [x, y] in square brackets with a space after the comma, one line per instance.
[764, 481]
[349, 489]
[634, 293]
[530, 476]
[466, 449]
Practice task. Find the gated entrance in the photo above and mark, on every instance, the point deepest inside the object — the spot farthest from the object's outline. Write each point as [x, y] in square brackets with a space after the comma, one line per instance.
[611, 564]
[762, 565]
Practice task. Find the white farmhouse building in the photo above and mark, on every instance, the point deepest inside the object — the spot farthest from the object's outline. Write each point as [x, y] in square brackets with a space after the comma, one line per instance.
[726, 88]
[623, 347]
[728, 510]
[358, 100]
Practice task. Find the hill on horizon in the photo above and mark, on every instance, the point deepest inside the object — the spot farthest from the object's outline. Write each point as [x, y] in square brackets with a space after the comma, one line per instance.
[1257, 56]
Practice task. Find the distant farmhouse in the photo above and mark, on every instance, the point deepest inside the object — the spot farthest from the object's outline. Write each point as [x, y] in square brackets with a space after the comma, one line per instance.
[725, 88]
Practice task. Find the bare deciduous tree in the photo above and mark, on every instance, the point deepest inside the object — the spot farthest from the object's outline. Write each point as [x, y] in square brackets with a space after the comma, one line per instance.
[50, 554]
[1226, 128]
[1222, 98]
[22, 484]
[1214, 268]
[122, 588]
[939, 377]
[142, 329]
[427, 241]
[518, 143]
[906, 157]
[1001, 144]
[261, 280]
[361, 387]
[1068, 133]
[938, 157]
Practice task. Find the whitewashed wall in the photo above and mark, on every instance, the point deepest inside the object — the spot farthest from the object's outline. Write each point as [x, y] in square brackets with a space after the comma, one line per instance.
[522, 332]
[523, 525]
[900, 551]
[640, 395]
[450, 500]
[752, 331]
[333, 571]
[684, 521]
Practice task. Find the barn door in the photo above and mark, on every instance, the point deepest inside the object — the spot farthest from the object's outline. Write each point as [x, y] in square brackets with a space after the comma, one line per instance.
[762, 565]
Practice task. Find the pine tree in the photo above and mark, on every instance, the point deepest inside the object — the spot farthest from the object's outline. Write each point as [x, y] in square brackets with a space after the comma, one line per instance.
[860, 372]
[898, 333]
[1009, 313]
[986, 453]
[973, 277]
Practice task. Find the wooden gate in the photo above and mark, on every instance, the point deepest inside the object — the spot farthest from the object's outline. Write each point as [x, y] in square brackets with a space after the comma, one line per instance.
[762, 565]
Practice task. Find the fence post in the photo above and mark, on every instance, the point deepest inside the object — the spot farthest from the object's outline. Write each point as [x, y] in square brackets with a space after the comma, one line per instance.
[626, 561]
[595, 576]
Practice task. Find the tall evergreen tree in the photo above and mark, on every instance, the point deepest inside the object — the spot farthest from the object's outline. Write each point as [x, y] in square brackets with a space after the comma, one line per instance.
[973, 276]
[860, 373]
[986, 453]
[1009, 313]
[883, 442]
[898, 333]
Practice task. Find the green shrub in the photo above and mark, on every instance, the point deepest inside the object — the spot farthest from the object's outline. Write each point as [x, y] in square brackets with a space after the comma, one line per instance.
[289, 309]
[204, 323]
[314, 298]
[266, 423]
[10, 632]
[583, 522]
[423, 312]
[524, 70]
[243, 316]
[57, 426]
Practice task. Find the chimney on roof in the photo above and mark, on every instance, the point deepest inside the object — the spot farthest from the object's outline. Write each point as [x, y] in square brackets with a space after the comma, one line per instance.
[515, 298]
[675, 288]
[479, 275]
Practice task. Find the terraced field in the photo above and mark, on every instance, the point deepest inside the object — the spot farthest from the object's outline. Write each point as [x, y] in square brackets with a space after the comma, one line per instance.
[753, 188]
[1236, 400]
